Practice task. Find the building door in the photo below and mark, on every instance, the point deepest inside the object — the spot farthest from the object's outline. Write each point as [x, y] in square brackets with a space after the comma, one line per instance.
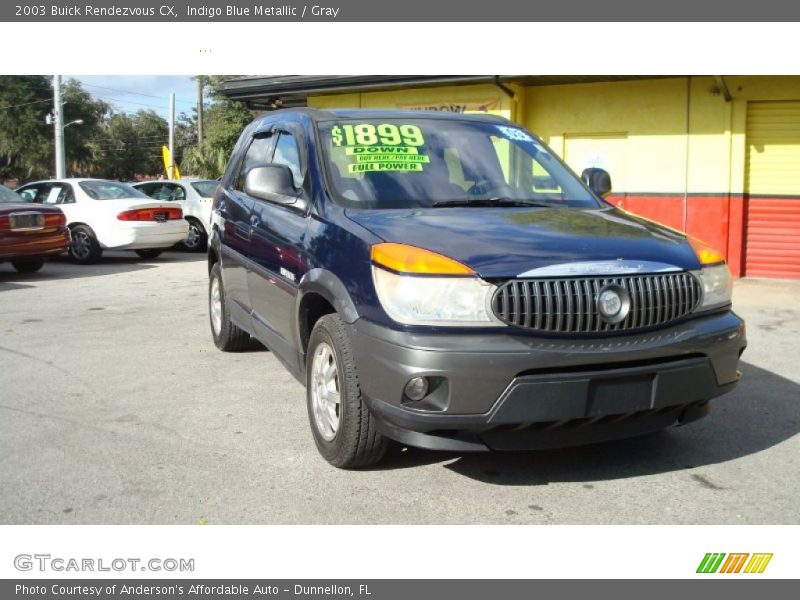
[772, 190]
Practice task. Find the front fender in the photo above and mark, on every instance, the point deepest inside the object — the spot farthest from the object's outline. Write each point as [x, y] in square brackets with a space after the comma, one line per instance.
[329, 286]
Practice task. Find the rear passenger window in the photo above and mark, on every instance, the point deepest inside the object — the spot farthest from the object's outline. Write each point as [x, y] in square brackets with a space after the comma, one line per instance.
[146, 189]
[65, 194]
[257, 156]
[287, 153]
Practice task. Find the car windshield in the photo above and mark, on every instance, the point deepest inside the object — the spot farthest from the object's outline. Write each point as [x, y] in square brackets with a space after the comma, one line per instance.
[419, 162]
[109, 190]
[7, 195]
[206, 189]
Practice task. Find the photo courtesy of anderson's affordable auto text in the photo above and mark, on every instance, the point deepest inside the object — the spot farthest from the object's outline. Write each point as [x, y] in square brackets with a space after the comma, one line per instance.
[557, 311]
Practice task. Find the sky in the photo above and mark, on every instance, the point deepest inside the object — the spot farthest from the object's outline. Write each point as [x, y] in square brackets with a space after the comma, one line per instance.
[129, 93]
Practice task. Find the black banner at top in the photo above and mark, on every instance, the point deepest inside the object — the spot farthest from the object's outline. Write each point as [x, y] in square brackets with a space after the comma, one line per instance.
[401, 11]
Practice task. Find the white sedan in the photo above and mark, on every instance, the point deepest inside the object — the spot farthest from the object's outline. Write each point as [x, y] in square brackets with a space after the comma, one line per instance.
[110, 215]
[194, 196]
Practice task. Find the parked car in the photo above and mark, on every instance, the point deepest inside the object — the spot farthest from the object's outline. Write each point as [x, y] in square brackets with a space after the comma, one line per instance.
[110, 215]
[194, 196]
[29, 232]
[446, 281]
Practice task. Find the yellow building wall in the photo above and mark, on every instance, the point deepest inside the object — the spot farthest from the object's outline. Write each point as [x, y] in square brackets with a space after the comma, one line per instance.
[649, 115]
[653, 117]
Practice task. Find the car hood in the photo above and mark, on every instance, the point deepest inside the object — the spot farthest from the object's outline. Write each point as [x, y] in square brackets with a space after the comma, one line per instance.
[506, 242]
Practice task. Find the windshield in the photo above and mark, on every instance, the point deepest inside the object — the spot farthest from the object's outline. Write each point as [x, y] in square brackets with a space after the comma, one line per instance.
[7, 195]
[206, 189]
[109, 190]
[419, 162]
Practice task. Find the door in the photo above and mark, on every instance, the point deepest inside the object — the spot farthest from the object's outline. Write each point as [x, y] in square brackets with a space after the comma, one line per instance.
[52, 192]
[235, 209]
[772, 190]
[278, 233]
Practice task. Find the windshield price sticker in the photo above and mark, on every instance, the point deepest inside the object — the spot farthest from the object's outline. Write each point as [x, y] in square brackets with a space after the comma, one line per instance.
[384, 134]
[383, 166]
[512, 133]
[412, 158]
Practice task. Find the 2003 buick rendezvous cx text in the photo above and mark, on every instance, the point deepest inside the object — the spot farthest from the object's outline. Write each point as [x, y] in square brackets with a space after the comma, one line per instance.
[447, 282]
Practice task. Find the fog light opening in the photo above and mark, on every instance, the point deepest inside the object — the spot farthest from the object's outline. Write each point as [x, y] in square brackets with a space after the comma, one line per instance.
[416, 389]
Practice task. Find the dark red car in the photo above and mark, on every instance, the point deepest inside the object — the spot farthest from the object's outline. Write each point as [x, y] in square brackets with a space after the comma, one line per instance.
[29, 232]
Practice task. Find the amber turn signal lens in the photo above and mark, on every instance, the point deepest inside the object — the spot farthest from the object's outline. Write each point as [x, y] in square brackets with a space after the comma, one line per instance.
[707, 255]
[410, 259]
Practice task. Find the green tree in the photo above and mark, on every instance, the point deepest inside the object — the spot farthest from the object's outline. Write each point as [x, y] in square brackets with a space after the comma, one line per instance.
[129, 146]
[26, 144]
[79, 105]
[223, 122]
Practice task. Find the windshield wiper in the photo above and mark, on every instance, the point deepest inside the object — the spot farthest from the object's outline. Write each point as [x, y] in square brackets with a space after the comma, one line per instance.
[493, 201]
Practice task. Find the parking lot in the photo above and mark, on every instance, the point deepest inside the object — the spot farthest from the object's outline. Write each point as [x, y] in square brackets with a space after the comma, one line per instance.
[115, 407]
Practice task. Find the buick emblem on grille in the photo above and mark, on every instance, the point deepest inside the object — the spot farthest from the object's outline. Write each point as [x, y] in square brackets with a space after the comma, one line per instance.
[613, 303]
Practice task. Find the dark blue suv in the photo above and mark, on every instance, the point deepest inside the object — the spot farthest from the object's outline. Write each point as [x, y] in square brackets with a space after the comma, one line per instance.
[447, 282]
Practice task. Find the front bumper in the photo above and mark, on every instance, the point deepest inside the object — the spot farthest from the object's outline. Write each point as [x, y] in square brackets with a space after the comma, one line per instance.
[507, 391]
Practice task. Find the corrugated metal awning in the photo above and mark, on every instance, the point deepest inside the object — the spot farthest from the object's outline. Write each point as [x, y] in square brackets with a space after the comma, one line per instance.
[274, 91]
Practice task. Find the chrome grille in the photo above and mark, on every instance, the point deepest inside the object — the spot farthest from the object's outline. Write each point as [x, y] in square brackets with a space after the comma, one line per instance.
[570, 305]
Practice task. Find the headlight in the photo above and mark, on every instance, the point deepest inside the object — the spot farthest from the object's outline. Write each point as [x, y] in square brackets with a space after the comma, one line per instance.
[717, 286]
[460, 301]
[419, 287]
[714, 276]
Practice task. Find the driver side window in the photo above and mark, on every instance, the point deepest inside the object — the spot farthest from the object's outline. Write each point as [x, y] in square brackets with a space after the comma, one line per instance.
[287, 153]
[257, 155]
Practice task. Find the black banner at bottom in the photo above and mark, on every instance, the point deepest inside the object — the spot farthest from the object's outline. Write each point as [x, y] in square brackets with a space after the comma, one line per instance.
[733, 588]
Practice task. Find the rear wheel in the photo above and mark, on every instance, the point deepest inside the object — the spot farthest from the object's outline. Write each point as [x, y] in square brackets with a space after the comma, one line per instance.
[28, 265]
[149, 253]
[84, 247]
[343, 427]
[196, 240]
[227, 336]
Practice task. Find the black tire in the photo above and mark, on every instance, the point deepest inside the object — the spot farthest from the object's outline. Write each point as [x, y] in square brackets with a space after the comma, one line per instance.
[84, 248]
[356, 442]
[28, 265]
[227, 336]
[150, 253]
[197, 240]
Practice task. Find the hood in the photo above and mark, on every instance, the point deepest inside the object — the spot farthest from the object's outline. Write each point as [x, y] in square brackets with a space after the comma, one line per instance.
[505, 242]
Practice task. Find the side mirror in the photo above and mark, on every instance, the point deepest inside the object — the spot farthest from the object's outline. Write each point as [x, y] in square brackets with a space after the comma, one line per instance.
[273, 183]
[598, 180]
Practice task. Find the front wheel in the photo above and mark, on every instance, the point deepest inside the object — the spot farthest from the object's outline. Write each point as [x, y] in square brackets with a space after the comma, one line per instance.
[149, 254]
[344, 430]
[28, 265]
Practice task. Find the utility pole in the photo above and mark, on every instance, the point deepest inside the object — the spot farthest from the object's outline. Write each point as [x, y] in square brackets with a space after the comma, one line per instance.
[58, 116]
[171, 170]
[200, 110]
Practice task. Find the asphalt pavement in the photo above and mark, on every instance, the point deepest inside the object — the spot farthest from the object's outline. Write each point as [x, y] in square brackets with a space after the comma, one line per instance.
[115, 407]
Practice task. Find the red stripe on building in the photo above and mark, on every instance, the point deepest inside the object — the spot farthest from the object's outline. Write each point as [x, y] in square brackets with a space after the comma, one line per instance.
[760, 236]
